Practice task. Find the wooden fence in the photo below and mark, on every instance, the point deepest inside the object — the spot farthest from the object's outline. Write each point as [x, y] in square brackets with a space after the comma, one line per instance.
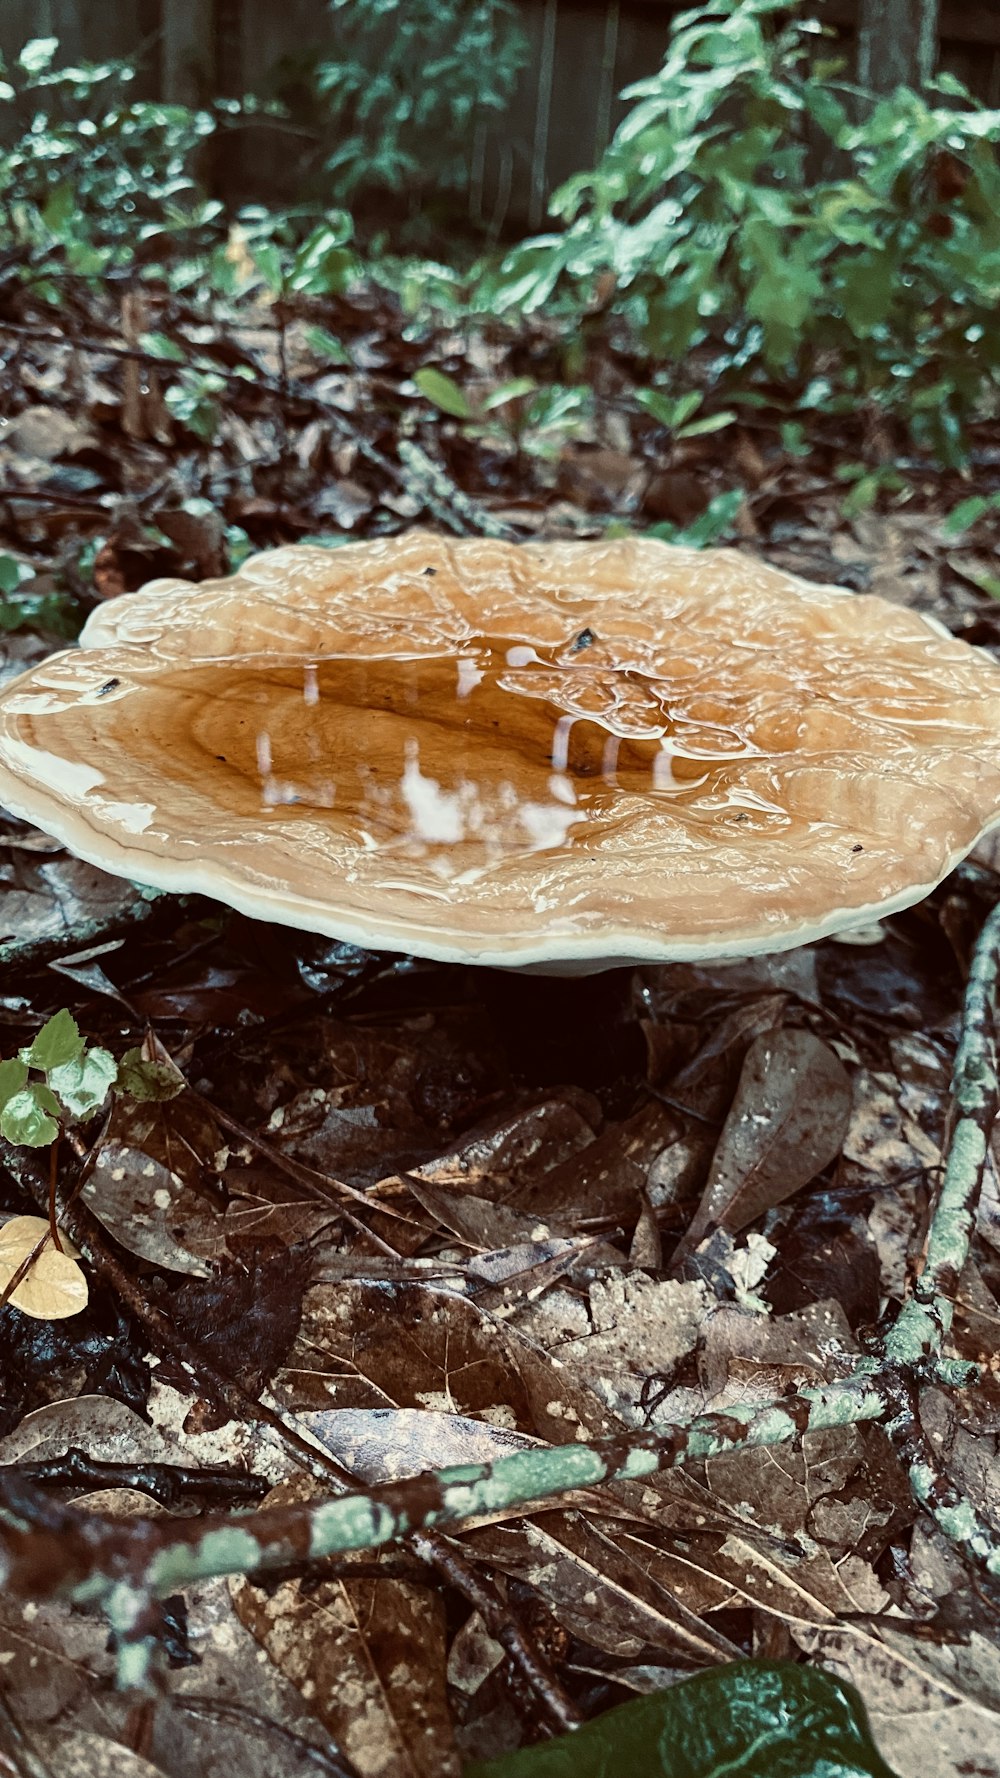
[582, 53]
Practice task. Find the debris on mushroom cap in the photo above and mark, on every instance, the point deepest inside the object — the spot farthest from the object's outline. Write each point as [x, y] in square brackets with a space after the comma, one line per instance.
[560, 756]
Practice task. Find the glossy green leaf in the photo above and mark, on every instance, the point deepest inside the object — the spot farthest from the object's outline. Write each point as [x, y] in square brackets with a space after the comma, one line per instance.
[30, 1117]
[83, 1084]
[57, 1042]
[515, 390]
[443, 392]
[160, 345]
[754, 1719]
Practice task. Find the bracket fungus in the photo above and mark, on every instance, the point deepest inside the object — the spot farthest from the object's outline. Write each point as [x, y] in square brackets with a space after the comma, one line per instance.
[558, 756]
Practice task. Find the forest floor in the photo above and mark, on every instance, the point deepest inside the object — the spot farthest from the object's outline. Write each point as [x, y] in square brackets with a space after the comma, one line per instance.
[427, 1216]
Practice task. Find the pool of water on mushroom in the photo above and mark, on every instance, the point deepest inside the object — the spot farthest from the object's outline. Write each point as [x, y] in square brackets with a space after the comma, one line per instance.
[497, 750]
[498, 747]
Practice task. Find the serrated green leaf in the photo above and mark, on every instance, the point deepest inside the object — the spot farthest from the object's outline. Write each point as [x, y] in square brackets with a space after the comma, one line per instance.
[148, 1081]
[13, 1075]
[30, 1118]
[443, 392]
[84, 1084]
[760, 1719]
[57, 1042]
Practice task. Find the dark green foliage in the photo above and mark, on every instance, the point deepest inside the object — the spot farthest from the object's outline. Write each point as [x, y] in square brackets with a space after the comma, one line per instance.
[77, 1080]
[409, 83]
[752, 206]
[760, 1719]
[89, 175]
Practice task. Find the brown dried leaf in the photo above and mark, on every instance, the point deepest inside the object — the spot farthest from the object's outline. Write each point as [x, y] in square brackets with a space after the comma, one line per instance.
[368, 1657]
[401, 1345]
[390, 1444]
[786, 1124]
[151, 1182]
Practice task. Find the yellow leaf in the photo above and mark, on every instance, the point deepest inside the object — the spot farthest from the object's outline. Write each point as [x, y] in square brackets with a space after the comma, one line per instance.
[53, 1286]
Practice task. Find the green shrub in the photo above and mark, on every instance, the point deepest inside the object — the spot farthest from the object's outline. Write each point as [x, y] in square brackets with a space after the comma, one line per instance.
[409, 82]
[795, 231]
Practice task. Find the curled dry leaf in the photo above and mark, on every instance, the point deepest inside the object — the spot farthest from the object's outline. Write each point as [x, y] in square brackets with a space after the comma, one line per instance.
[53, 1287]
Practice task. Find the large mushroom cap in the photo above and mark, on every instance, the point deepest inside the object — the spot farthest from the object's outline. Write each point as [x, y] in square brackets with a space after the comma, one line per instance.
[561, 756]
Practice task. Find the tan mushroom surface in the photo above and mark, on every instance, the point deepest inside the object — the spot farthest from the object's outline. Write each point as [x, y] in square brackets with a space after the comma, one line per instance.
[555, 755]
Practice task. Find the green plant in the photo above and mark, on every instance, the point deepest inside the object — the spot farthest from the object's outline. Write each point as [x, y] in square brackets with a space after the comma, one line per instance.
[409, 82]
[27, 601]
[752, 207]
[520, 415]
[711, 526]
[59, 1078]
[968, 513]
[93, 179]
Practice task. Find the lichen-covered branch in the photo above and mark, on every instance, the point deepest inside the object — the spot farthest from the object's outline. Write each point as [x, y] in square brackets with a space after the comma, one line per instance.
[51, 1550]
[925, 1320]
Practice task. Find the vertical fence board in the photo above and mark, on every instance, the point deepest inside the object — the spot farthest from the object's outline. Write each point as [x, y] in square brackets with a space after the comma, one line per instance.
[86, 32]
[187, 51]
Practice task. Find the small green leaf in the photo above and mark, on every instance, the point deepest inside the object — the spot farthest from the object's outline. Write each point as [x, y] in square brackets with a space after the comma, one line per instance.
[326, 345]
[757, 1719]
[60, 208]
[968, 513]
[57, 1042]
[37, 54]
[13, 1075]
[515, 390]
[445, 394]
[145, 1081]
[160, 345]
[29, 1118]
[11, 574]
[671, 411]
[708, 527]
[987, 583]
[84, 1083]
[708, 423]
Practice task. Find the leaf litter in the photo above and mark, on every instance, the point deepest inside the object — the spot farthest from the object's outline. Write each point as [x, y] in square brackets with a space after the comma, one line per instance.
[411, 1212]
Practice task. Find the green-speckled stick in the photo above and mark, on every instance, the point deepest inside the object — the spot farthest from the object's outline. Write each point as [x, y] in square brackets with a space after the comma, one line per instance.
[925, 1320]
